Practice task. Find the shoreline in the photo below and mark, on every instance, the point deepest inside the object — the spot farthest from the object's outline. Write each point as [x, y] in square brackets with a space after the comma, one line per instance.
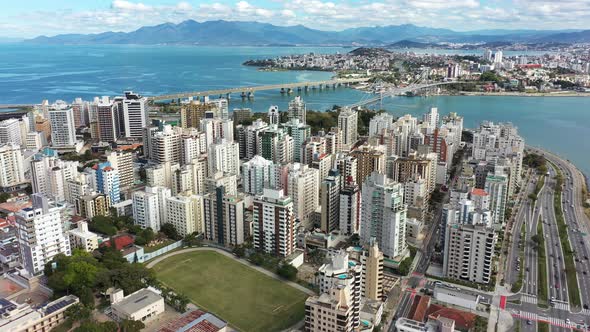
[521, 94]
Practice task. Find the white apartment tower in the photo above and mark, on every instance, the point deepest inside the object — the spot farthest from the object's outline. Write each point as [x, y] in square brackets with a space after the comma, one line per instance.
[40, 234]
[135, 114]
[383, 214]
[185, 213]
[63, 128]
[10, 132]
[12, 169]
[224, 156]
[257, 174]
[302, 186]
[274, 223]
[348, 124]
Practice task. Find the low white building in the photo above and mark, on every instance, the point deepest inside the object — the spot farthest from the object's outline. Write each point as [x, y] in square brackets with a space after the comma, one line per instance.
[456, 297]
[82, 238]
[143, 305]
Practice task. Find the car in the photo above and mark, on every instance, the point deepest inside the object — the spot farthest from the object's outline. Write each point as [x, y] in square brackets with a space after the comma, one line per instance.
[527, 269]
[585, 306]
[567, 321]
[585, 273]
[586, 257]
[553, 298]
[529, 322]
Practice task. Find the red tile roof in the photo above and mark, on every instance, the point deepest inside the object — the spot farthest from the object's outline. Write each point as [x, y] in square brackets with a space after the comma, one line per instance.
[420, 312]
[479, 192]
[463, 319]
[183, 323]
[121, 242]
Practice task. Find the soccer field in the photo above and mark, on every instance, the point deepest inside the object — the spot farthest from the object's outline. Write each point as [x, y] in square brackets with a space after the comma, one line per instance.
[247, 299]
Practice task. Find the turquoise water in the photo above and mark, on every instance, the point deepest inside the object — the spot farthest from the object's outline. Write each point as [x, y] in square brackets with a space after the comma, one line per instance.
[31, 73]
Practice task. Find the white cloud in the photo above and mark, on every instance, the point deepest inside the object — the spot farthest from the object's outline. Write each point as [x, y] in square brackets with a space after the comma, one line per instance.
[128, 5]
[127, 15]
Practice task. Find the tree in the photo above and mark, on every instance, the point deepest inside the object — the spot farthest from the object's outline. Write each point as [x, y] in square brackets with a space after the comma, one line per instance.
[191, 240]
[78, 312]
[4, 197]
[170, 231]
[94, 326]
[287, 271]
[239, 251]
[131, 325]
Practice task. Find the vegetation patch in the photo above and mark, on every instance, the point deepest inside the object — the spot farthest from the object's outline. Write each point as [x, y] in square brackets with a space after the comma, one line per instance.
[246, 298]
[518, 284]
[542, 266]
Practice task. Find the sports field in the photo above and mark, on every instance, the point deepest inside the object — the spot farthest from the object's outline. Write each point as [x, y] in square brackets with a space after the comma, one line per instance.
[247, 299]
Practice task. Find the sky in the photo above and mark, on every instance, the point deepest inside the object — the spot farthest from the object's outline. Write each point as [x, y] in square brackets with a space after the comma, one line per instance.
[30, 18]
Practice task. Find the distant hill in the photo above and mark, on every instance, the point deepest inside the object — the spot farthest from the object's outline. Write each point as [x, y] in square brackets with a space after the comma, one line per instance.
[567, 37]
[254, 33]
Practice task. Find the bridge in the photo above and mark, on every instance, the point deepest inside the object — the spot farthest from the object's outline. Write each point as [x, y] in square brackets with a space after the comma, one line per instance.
[5, 106]
[400, 91]
[248, 91]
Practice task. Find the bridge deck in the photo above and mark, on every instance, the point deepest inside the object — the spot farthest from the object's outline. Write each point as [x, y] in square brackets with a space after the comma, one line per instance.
[255, 88]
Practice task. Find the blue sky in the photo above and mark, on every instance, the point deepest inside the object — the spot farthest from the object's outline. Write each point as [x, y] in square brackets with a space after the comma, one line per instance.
[29, 18]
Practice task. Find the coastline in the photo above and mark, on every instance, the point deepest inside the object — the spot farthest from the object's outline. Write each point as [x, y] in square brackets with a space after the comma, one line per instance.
[520, 94]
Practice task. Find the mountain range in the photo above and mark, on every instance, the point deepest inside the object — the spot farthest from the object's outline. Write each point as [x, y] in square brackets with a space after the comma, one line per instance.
[254, 33]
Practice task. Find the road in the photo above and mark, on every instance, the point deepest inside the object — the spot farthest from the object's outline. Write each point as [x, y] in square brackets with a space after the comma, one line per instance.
[577, 223]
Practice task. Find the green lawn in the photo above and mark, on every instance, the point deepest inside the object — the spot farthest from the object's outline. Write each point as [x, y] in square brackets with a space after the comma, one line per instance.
[542, 267]
[247, 299]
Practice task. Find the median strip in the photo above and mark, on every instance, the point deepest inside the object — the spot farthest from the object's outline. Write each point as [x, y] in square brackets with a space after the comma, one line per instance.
[542, 266]
[568, 253]
[518, 283]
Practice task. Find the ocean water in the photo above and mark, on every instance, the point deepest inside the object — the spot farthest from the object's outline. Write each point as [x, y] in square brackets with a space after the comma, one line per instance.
[31, 73]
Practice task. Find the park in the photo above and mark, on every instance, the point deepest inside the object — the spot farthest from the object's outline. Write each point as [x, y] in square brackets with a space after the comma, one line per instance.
[247, 299]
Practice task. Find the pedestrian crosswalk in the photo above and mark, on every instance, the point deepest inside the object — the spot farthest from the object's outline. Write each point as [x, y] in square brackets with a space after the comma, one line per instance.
[528, 298]
[535, 317]
[586, 312]
[561, 305]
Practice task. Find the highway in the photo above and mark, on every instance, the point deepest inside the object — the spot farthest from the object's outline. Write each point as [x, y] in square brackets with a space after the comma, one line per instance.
[562, 315]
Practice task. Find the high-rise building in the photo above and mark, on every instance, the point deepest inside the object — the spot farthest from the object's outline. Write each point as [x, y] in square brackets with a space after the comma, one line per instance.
[10, 132]
[347, 167]
[331, 311]
[92, 205]
[432, 118]
[257, 174]
[300, 132]
[224, 156]
[380, 124]
[497, 188]
[250, 138]
[146, 210]
[226, 180]
[498, 57]
[330, 202]
[350, 208]
[415, 166]
[372, 276]
[223, 217]
[185, 213]
[302, 186]
[297, 110]
[274, 223]
[348, 124]
[277, 146]
[40, 234]
[63, 128]
[469, 252]
[108, 181]
[12, 167]
[135, 114]
[50, 176]
[487, 55]
[369, 159]
[383, 214]
[240, 115]
[122, 161]
[343, 271]
[105, 114]
[192, 113]
[165, 145]
[216, 129]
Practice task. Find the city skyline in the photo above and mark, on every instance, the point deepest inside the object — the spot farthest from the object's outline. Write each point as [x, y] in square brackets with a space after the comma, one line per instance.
[47, 18]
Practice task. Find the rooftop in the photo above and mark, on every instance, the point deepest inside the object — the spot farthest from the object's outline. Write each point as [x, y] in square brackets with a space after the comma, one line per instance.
[195, 321]
[136, 301]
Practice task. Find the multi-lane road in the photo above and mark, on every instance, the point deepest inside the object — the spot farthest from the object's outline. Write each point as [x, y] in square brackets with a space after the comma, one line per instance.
[561, 314]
